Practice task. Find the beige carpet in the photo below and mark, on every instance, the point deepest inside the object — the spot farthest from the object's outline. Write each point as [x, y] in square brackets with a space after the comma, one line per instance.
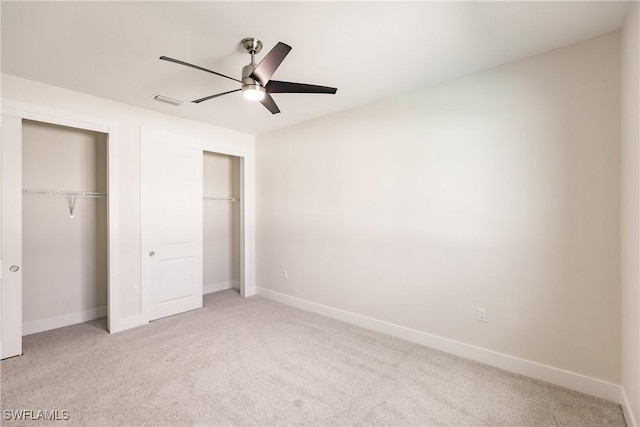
[257, 362]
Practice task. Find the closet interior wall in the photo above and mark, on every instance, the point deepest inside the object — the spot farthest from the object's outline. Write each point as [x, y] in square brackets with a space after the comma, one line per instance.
[221, 216]
[64, 256]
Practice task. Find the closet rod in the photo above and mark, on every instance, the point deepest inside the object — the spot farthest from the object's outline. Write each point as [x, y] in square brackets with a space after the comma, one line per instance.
[223, 199]
[63, 193]
[72, 195]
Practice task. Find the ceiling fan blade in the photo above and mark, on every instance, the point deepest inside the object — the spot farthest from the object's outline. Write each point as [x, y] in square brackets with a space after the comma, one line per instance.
[268, 102]
[272, 60]
[177, 61]
[275, 86]
[206, 98]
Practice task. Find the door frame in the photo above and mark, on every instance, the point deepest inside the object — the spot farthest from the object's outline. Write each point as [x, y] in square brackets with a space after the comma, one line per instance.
[24, 111]
[247, 201]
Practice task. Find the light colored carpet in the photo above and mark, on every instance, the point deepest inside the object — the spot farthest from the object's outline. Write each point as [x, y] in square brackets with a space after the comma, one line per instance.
[257, 362]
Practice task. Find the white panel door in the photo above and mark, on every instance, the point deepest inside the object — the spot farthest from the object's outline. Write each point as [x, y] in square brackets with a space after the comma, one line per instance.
[11, 233]
[172, 227]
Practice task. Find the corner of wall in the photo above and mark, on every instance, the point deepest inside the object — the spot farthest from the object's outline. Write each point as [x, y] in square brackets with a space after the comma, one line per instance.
[630, 214]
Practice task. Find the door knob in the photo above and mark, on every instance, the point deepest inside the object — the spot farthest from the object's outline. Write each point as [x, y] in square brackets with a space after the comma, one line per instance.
[152, 253]
[14, 268]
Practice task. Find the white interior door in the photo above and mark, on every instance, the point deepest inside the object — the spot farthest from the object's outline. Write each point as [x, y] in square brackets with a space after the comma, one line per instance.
[11, 233]
[172, 227]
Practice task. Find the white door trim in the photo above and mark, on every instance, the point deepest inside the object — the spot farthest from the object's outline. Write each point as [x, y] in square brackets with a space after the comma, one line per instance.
[39, 113]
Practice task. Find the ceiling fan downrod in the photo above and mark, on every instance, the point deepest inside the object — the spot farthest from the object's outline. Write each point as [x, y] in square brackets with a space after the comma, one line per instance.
[251, 89]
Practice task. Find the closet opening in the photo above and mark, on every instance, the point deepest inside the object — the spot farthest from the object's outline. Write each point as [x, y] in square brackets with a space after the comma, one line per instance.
[222, 208]
[64, 226]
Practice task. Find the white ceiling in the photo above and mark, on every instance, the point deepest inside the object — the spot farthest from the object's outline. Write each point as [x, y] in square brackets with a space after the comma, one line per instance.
[368, 50]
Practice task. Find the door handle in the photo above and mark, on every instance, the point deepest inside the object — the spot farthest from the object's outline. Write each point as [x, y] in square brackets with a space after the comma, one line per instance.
[14, 268]
[152, 253]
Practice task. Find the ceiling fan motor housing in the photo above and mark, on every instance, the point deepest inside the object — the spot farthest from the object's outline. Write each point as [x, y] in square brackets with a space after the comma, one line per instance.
[246, 72]
[251, 88]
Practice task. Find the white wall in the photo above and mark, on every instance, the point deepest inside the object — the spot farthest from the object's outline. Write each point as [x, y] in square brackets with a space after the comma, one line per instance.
[498, 190]
[128, 120]
[221, 257]
[64, 259]
[630, 214]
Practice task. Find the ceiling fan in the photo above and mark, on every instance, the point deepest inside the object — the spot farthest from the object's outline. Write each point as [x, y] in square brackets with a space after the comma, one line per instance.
[256, 79]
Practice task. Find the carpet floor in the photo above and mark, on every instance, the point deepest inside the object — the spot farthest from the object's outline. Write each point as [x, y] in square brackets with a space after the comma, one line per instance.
[252, 361]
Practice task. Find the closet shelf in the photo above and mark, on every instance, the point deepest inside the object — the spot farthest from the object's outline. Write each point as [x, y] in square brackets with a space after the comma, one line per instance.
[72, 195]
[223, 199]
[63, 193]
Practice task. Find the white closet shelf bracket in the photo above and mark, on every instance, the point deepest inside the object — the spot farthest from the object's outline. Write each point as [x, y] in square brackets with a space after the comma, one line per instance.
[223, 199]
[71, 195]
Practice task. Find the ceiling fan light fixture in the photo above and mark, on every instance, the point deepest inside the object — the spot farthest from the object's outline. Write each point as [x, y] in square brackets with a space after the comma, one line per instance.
[253, 92]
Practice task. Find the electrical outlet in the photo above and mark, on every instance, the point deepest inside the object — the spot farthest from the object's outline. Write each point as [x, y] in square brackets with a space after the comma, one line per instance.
[285, 274]
[482, 314]
[135, 291]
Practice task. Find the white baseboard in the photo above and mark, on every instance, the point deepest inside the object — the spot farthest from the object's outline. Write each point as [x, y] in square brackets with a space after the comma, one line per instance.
[626, 409]
[220, 286]
[49, 323]
[561, 377]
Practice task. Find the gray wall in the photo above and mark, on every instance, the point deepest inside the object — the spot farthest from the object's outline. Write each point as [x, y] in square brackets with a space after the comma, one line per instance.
[497, 190]
[221, 239]
[64, 259]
